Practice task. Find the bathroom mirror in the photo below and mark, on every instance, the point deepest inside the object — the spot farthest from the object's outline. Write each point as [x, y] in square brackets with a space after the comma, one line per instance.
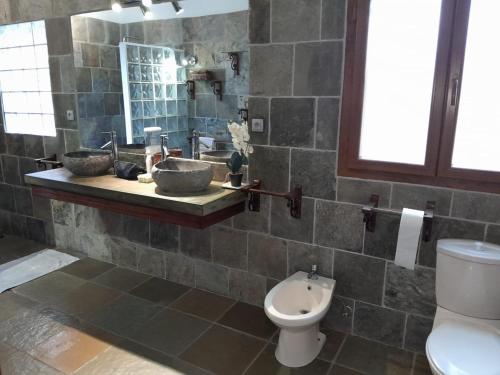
[176, 69]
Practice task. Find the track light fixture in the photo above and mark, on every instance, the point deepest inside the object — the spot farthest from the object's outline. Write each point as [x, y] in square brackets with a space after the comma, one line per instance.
[147, 3]
[178, 9]
[146, 12]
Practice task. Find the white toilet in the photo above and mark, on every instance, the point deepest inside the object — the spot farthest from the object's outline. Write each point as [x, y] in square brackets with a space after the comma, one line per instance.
[465, 338]
[296, 305]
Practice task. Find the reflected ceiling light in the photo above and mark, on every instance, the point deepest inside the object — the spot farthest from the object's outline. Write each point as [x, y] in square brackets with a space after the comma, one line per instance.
[116, 6]
[147, 3]
[178, 9]
[146, 12]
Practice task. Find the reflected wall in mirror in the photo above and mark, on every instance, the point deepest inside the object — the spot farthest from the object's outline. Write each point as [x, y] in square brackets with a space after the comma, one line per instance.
[134, 73]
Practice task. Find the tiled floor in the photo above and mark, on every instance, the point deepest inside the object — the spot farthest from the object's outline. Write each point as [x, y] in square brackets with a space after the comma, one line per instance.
[94, 318]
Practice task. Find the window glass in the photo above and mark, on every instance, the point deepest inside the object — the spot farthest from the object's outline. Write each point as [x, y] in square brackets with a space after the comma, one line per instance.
[477, 133]
[25, 89]
[400, 61]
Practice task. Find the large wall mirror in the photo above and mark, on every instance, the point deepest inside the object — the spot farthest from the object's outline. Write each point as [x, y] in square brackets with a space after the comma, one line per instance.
[162, 67]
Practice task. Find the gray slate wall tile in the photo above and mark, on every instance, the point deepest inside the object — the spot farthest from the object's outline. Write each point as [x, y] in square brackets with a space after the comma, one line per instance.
[411, 291]
[333, 19]
[248, 287]
[285, 226]
[339, 225]
[260, 21]
[383, 241]
[318, 69]
[315, 172]
[212, 277]
[10, 165]
[258, 108]
[493, 234]
[359, 191]
[302, 256]
[327, 123]
[179, 268]
[272, 78]
[255, 221]
[59, 40]
[230, 247]
[79, 28]
[270, 165]
[267, 256]
[136, 229]
[447, 228]
[33, 146]
[418, 329]
[151, 261]
[340, 315]
[295, 20]
[292, 122]
[378, 323]
[476, 206]
[414, 196]
[196, 243]
[359, 277]
[164, 236]
[24, 204]
[15, 144]
[62, 212]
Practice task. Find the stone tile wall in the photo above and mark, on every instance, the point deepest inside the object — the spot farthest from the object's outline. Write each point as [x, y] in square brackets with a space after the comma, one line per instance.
[247, 255]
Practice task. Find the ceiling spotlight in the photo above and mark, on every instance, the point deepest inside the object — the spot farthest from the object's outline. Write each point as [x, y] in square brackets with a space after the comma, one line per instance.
[147, 3]
[178, 9]
[116, 6]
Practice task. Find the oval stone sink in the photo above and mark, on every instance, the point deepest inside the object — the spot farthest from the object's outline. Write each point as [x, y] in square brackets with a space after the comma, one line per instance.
[216, 156]
[182, 175]
[88, 163]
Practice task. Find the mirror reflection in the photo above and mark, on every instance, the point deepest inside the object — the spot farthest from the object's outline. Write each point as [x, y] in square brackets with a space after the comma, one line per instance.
[171, 71]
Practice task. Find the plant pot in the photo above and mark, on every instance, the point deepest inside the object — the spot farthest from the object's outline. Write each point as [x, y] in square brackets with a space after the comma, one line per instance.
[236, 179]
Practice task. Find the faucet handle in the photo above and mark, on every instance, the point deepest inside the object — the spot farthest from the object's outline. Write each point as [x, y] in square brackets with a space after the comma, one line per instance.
[314, 268]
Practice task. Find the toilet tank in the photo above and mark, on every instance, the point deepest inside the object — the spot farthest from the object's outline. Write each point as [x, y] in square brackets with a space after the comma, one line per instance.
[468, 278]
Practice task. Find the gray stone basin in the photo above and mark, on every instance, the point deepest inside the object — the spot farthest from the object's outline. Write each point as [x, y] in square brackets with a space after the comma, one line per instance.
[182, 175]
[216, 156]
[88, 163]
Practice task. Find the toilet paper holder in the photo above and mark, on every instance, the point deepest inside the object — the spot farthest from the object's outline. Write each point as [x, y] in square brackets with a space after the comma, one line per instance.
[371, 209]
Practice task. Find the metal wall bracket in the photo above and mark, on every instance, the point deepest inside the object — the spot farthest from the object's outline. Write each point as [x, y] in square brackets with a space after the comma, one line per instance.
[294, 198]
[371, 209]
[217, 88]
[234, 57]
[49, 162]
[191, 89]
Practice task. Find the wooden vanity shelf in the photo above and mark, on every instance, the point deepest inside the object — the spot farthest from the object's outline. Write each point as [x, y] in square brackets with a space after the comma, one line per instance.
[140, 200]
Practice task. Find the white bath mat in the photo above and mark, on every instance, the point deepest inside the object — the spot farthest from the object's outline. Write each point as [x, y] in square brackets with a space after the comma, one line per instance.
[31, 267]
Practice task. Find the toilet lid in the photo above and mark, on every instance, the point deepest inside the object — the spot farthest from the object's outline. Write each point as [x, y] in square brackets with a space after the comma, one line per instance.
[463, 348]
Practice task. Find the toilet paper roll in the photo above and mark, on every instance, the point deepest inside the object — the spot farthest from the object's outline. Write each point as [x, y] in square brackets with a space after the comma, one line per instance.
[409, 237]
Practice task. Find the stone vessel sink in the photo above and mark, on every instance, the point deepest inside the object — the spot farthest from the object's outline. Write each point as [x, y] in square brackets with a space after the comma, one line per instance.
[182, 175]
[88, 163]
[216, 156]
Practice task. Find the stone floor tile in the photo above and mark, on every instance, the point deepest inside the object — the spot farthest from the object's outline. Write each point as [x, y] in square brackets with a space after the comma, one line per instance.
[249, 319]
[223, 351]
[333, 343]
[374, 358]
[159, 291]
[421, 366]
[23, 364]
[13, 304]
[266, 364]
[87, 268]
[170, 332]
[121, 279]
[339, 370]
[203, 304]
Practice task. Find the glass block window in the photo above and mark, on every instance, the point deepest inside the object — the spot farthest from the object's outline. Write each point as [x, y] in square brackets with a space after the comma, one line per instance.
[25, 90]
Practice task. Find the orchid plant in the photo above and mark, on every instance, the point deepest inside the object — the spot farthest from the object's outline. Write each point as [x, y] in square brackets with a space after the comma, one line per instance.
[241, 139]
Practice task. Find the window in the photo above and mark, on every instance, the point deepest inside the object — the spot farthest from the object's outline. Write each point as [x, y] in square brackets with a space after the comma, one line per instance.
[420, 100]
[25, 89]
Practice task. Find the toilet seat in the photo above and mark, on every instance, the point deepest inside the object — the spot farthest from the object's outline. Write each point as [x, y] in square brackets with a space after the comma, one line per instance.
[464, 348]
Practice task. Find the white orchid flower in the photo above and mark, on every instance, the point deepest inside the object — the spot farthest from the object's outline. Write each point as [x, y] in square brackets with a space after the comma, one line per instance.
[240, 138]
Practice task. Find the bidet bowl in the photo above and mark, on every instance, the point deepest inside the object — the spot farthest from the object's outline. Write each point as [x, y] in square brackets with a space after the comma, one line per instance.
[299, 301]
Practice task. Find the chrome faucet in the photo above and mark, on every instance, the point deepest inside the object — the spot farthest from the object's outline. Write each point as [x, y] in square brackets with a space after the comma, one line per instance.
[164, 147]
[313, 275]
[113, 143]
[195, 145]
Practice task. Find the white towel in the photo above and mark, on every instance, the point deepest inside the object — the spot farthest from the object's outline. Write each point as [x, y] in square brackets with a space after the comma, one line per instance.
[409, 238]
[206, 144]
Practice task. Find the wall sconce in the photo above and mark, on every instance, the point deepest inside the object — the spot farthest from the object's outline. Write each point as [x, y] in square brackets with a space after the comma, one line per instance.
[217, 88]
[191, 89]
[178, 9]
[234, 57]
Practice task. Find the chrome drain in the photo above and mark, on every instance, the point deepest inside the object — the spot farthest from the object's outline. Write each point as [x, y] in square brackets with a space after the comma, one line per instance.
[304, 311]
